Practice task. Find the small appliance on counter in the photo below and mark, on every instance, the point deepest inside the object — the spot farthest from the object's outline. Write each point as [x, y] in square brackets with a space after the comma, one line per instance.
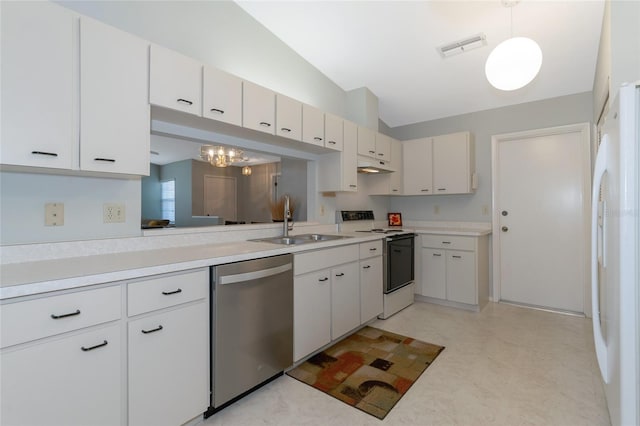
[397, 255]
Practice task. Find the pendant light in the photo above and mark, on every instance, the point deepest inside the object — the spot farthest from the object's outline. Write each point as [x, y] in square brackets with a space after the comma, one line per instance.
[515, 62]
[246, 171]
[219, 156]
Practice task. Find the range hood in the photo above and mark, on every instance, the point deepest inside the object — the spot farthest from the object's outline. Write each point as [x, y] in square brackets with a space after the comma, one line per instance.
[371, 165]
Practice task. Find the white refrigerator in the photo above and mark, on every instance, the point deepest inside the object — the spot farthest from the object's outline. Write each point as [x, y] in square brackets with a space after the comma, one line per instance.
[615, 257]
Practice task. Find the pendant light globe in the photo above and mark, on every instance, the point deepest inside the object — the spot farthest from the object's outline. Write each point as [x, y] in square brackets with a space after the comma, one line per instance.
[513, 64]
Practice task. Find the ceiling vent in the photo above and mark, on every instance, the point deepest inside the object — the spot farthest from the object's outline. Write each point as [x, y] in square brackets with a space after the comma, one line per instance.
[461, 46]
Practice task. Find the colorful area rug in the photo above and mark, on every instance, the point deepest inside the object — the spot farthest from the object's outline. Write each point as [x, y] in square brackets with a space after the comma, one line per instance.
[370, 370]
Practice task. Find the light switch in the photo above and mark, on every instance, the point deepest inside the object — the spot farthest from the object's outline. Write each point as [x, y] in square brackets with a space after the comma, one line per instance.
[54, 214]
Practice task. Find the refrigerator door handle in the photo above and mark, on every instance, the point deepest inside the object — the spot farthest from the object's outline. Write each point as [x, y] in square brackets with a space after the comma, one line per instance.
[598, 172]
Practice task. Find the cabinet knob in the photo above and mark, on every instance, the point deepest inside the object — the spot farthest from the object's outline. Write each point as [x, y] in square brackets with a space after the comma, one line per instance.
[504, 229]
[504, 212]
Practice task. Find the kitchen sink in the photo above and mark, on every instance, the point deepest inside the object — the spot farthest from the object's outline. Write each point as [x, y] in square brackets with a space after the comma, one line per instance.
[300, 239]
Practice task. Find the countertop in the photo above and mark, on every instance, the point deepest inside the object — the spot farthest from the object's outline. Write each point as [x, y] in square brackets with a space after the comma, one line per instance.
[42, 276]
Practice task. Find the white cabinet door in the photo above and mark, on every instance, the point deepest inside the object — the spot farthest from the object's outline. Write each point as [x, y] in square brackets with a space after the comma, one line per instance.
[114, 107]
[383, 147]
[258, 108]
[312, 125]
[39, 85]
[175, 81]
[451, 163]
[288, 117]
[434, 273]
[366, 142]
[221, 96]
[168, 366]
[350, 156]
[461, 277]
[417, 166]
[395, 178]
[345, 299]
[371, 288]
[311, 312]
[333, 131]
[76, 380]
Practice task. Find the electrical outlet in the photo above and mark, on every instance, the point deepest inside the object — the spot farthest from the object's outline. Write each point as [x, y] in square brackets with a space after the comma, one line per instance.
[54, 214]
[113, 213]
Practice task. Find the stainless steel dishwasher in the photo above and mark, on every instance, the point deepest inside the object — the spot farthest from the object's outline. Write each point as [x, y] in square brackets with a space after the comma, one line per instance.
[251, 326]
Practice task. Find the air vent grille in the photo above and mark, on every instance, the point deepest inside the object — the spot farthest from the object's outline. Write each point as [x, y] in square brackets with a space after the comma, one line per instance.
[461, 46]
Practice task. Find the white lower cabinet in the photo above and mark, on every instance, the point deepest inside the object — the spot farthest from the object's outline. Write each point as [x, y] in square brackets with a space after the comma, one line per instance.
[371, 283]
[311, 312]
[455, 269]
[74, 380]
[168, 359]
[345, 299]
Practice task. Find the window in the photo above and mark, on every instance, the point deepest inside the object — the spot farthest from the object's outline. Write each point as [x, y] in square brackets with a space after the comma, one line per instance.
[168, 199]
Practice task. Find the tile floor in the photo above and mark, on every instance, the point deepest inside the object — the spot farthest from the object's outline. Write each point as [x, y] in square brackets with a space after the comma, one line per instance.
[504, 366]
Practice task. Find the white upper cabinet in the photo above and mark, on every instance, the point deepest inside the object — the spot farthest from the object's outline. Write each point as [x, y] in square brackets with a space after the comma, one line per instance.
[333, 131]
[396, 184]
[221, 96]
[383, 147]
[258, 108]
[337, 171]
[114, 108]
[453, 163]
[417, 166]
[176, 81]
[312, 125]
[366, 142]
[39, 85]
[288, 117]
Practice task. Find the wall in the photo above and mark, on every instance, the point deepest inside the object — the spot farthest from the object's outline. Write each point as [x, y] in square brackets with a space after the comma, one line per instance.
[483, 124]
[24, 196]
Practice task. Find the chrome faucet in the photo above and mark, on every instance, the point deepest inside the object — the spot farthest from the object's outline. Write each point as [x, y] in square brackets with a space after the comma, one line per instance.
[287, 217]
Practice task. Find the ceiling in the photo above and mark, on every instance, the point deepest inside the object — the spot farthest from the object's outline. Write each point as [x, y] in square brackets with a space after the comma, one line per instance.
[390, 48]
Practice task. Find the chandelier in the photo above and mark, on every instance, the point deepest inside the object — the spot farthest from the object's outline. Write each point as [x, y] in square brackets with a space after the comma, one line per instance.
[220, 156]
[515, 62]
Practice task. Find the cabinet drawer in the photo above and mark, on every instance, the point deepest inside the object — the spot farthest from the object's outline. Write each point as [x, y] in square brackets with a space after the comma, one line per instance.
[169, 290]
[448, 242]
[35, 319]
[320, 259]
[370, 249]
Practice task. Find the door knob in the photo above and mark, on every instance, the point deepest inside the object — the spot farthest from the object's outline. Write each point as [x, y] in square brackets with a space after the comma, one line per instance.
[505, 229]
[504, 212]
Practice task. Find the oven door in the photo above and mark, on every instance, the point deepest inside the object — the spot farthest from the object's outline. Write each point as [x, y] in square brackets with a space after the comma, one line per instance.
[400, 262]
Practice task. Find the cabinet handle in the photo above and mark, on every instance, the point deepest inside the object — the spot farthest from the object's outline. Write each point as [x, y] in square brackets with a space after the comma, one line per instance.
[446, 242]
[332, 142]
[323, 279]
[382, 163]
[394, 190]
[167, 293]
[366, 267]
[341, 274]
[424, 190]
[50, 154]
[153, 330]
[108, 160]
[456, 257]
[353, 186]
[372, 152]
[442, 189]
[219, 111]
[90, 348]
[317, 138]
[397, 251]
[284, 129]
[373, 249]
[265, 124]
[72, 314]
[381, 154]
[184, 101]
[437, 254]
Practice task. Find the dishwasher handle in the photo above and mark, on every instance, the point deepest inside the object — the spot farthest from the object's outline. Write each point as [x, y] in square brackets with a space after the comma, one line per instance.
[249, 276]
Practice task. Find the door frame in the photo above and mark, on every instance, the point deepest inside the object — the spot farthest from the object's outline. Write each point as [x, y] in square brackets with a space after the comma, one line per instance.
[584, 130]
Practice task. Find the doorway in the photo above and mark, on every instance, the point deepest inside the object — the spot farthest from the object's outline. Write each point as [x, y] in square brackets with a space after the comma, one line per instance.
[220, 197]
[541, 199]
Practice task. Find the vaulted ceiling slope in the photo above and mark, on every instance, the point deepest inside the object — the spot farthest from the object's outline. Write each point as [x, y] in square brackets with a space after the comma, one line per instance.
[390, 47]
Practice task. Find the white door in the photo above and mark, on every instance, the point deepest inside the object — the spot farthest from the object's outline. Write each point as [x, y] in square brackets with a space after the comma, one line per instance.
[220, 197]
[541, 183]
